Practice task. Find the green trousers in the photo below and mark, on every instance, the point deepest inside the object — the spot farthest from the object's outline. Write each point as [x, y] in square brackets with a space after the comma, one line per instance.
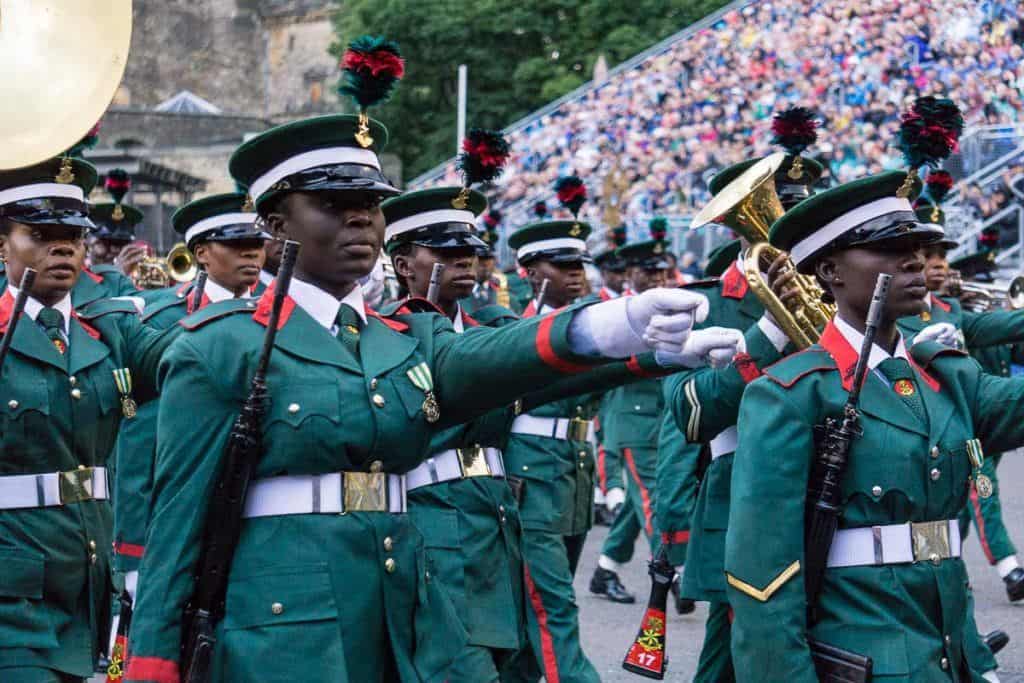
[637, 513]
[552, 621]
[987, 514]
[715, 663]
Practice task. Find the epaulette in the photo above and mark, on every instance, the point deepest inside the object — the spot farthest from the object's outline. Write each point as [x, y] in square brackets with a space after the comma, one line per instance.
[216, 311]
[493, 313]
[792, 368]
[103, 307]
[706, 282]
[926, 352]
[160, 305]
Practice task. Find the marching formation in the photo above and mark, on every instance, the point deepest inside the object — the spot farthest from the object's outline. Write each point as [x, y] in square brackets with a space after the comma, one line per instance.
[329, 440]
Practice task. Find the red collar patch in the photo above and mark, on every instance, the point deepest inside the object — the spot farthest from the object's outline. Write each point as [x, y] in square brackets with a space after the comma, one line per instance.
[6, 308]
[94, 276]
[266, 303]
[89, 329]
[734, 283]
[467, 320]
[845, 356]
[936, 301]
[396, 325]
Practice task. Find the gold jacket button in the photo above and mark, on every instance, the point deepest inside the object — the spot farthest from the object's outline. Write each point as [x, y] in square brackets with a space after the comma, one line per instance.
[876, 490]
[948, 641]
[72, 380]
[583, 454]
[935, 451]
[378, 400]
[12, 404]
[92, 545]
[92, 558]
[526, 468]
[293, 407]
[76, 393]
[388, 543]
[944, 663]
[277, 608]
[935, 474]
[581, 465]
[389, 565]
[373, 383]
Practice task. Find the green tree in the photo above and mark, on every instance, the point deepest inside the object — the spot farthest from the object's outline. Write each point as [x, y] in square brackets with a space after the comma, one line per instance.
[520, 56]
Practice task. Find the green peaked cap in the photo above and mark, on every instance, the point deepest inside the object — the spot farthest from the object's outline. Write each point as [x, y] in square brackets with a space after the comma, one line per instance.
[26, 198]
[721, 257]
[440, 218]
[646, 254]
[864, 211]
[239, 223]
[320, 153]
[558, 241]
[811, 170]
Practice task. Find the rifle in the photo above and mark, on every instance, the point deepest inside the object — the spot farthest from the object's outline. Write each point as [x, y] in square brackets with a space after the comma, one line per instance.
[824, 501]
[28, 278]
[198, 286]
[646, 656]
[434, 289]
[224, 518]
[538, 303]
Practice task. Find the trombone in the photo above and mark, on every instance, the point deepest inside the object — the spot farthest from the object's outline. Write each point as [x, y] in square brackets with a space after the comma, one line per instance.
[981, 297]
[749, 205]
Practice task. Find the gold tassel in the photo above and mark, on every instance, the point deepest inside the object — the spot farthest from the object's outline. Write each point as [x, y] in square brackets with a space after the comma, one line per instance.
[66, 175]
[363, 136]
[796, 171]
[908, 184]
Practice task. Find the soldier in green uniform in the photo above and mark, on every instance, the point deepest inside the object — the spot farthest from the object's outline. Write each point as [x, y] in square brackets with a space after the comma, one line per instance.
[354, 401]
[110, 245]
[68, 378]
[631, 422]
[229, 247]
[895, 588]
[491, 287]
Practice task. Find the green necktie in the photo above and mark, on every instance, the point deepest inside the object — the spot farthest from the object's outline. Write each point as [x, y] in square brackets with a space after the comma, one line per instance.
[349, 323]
[904, 384]
[52, 321]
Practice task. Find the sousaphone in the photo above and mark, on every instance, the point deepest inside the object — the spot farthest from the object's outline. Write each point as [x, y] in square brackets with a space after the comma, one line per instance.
[60, 64]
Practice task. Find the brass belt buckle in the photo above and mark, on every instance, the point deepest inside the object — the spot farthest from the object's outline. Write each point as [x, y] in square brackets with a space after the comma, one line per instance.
[578, 429]
[76, 486]
[365, 491]
[931, 541]
[473, 462]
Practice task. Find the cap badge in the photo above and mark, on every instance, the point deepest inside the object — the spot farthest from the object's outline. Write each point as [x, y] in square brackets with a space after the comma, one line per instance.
[66, 176]
[363, 136]
[247, 205]
[461, 200]
[118, 213]
[658, 248]
[796, 171]
[575, 230]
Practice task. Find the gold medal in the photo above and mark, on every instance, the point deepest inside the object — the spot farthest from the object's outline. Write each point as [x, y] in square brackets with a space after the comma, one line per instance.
[983, 485]
[431, 410]
[123, 380]
[129, 407]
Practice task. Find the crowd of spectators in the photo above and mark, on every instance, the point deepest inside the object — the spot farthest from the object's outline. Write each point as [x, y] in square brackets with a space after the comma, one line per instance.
[670, 122]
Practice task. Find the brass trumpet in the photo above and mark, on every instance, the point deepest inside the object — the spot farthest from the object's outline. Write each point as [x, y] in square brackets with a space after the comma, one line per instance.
[181, 264]
[986, 297]
[749, 205]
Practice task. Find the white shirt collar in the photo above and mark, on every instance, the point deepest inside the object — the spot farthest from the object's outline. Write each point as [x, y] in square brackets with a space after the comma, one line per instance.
[33, 306]
[459, 326]
[878, 354]
[266, 277]
[928, 300]
[324, 307]
[214, 292]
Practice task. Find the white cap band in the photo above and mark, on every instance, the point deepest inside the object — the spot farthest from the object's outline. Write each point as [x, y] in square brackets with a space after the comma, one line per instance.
[427, 218]
[810, 245]
[41, 191]
[214, 222]
[545, 245]
[308, 160]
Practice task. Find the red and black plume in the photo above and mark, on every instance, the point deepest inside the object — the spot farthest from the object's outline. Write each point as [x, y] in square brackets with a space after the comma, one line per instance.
[117, 184]
[938, 183]
[483, 158]
[571, 193]
[540, 209]
[930, 131]
[619, 235]
[658, 228]
[492, 219]
[372, 66]
[795, 129]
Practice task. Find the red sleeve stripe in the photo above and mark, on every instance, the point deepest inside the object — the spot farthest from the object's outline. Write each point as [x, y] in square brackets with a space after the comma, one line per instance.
[633, 365]
[547, 352]
[128, 549]
[152, 669]
[747, 368]
[675, 537]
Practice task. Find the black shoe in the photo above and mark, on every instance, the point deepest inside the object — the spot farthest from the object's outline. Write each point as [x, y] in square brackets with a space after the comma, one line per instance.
[996, 640]
[601, 515]
[1015, 584]
[683, 605]
[606, 583]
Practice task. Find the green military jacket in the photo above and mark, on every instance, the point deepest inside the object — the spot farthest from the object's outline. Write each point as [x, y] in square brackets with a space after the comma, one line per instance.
[88, 288]
[520, 291]
[113, 280]
[676, 488]
[135, 450]
[991, 328]
[328, 412]
[705, 403]
[912, 619]
[59, 413]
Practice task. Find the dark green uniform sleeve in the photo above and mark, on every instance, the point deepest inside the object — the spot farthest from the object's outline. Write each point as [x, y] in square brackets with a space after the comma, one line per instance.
[707, 400]
[992, 328]
[597, 380]
[766, 583]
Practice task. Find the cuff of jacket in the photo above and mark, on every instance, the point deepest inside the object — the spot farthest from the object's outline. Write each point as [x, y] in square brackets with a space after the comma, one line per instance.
[152, 670]
[557, 350]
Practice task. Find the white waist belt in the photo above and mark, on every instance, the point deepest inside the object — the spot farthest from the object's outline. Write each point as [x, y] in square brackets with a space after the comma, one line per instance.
[724, 443]
[325, 494]
[53, 488]
[895, 544]
[457, 463]
[564, 428]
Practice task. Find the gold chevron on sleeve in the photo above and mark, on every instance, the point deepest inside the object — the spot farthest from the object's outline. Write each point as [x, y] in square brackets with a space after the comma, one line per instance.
[769, 590]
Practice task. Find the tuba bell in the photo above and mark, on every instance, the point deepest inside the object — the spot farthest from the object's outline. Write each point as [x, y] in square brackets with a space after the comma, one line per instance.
[181, 264]
[749, 205]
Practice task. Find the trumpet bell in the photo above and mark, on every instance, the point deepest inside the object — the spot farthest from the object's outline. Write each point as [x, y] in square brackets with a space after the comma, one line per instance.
[181, 264]
[61, 62]
[1015, 293]
[749, 204]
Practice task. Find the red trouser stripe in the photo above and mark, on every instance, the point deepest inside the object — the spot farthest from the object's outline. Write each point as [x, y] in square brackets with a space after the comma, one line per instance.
[152, 669]
[547, 646]
[644, 496]
[675, 537]
[602, 476]
[979, 520]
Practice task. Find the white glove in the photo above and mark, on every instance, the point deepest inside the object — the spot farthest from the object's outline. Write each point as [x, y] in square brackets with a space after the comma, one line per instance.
[943, 333]
[614, 498]
[714, 346]
[658, 319]
[373, 285]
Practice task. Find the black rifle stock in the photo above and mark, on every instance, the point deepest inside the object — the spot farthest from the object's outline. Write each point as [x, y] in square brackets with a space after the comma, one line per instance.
[824, 501]
[224, 518]
[28, 278]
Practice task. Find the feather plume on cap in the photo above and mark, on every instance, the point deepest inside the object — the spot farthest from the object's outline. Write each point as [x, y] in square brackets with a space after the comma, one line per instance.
[371, 68]
[929, 132]
[571, 193]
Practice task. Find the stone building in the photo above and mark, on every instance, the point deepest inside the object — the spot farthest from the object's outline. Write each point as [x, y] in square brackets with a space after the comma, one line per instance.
[203, 75]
